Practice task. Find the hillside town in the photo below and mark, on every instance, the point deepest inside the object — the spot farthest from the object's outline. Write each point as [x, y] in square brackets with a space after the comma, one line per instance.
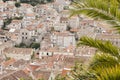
[39, 42]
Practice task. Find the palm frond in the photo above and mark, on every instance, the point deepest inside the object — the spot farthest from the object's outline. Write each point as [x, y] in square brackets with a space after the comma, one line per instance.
[111, 73]
[103, 60]
[80, 72]
[105, 9]
[104, 46]
[94, 13]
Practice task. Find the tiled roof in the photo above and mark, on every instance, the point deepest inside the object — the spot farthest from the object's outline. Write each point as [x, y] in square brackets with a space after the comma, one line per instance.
[65, 33]
[74, 30]
[15, 76]
[63, 19]
[30, 15]
[19, 62]
[42, 74]
[16, 21]
[18, 50]
[9, 62]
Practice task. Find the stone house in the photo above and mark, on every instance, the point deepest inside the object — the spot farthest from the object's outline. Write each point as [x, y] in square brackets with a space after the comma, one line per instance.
[74, 22]
[60, 27]
[32, 34]
[63, 39]
[41, 10]
[3, 6]
[3, 38]
[58, 7]
[15, 24]
[18, 53]
[29, 16]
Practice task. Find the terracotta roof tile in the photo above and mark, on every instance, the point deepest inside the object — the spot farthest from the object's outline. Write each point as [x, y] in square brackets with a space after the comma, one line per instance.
[9, 62]
[16, 75]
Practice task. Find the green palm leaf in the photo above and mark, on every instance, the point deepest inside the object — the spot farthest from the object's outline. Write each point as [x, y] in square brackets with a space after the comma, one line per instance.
[104, 46]
[103, 60]
[105, 9]
[112, 73]
[106, 63]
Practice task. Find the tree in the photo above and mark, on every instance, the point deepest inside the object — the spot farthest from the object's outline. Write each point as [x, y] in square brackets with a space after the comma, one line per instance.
[18, 18]
[107, 54]
[68, 28]
[50, 0]
[59, 77]
[6, 22]
[33, 55]
[106, 61]
[52, 29]
[35, 45]
[21, 45]
[80, 72]
[111, 73]
[41, 79]
[5, 0]
[35, 2]
[17, 4]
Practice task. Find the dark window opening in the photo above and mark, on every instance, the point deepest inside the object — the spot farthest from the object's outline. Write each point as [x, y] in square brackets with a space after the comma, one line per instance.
[47, 54]
[37, 53]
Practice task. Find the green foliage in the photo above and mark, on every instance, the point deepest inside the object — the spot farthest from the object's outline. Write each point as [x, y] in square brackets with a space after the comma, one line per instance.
[33, 56]
[35, 2]
[66, 7]
[106, 57]
[17, 4]
[59, 77]
[6, 22]
[4, 26]
[105, 9]
[103, 60]
[80, 72]
[52, 29]
[105, 63]
[6, 57]
[111, 73]
[22, 79]
[68, 28]
[50, 0]
[21, 45]
[5, 0]
[32, 45]
[35, 45]
[9, 20]
[29, 78]
[41, 79]
[105, 46]
[18, 18]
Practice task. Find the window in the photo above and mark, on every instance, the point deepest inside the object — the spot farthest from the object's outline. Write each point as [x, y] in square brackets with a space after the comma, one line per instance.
[47, 54]
[22, 37]
[5, 41]
[26, 37]
[37, 53]
[26, 33]
[22, 33]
